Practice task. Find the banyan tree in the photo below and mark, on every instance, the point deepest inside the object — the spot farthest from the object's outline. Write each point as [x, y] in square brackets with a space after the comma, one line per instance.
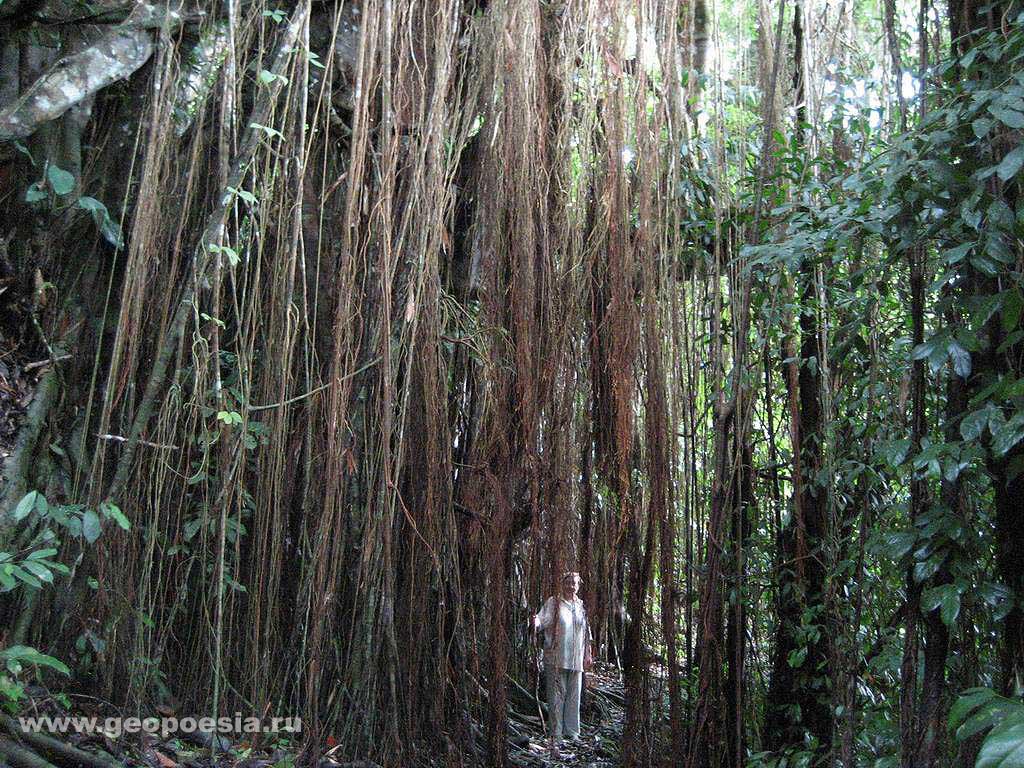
[333, 333]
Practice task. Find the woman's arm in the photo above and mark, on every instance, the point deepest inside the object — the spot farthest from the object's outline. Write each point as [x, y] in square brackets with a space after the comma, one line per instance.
[543, 619]
[588, 645]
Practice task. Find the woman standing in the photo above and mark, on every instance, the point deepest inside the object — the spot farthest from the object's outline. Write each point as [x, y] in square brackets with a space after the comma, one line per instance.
[566, 654]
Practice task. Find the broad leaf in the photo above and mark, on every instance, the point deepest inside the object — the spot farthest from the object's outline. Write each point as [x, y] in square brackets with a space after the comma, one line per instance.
[91, 527]
[106, 225]
[28, 655]
[1004, 746]
[26, 505]
[61, 182]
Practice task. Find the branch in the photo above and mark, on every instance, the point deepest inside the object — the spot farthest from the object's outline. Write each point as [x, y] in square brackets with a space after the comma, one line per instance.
[56, 749]
[74, 78]
[19, 757]
[120, 439]
[43, 363]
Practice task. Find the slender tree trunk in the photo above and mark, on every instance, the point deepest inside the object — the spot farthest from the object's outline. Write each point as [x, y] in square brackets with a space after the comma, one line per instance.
[1010, 565]
[801, 661]
[932, 704]
[736, 621]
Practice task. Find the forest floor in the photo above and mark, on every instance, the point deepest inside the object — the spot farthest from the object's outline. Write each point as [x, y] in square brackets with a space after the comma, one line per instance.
[602, 715]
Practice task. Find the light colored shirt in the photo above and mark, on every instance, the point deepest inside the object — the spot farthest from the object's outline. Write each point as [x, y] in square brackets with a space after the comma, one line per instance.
[566, 633]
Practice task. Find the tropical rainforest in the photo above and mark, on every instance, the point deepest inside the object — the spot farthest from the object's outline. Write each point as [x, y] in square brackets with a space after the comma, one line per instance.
[332, 332]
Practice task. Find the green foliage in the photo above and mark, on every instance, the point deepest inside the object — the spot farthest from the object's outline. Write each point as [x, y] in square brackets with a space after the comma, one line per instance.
[229, 417]
[948, 191]
[979, 710]
[31, 569]
[15, 659]
[244, 194]
[61, 184]
[35, 567]
[101, 216]
[946, 598]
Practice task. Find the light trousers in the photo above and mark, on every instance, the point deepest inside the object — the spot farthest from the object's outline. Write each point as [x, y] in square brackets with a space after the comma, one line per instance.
[564, 702]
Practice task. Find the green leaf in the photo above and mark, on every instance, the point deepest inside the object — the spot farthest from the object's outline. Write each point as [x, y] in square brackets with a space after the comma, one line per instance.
[894, 452]
[106, 225]
[1011, 164]
[112, 511]
[271, 132]
[21, 147]
[973, 424]
[990, 713]
[61, 182]
[249, 197]
[1004, 746]
[228, 251]
[945, 597]
[91, 527]
[956, 255]
[961, 360]
[896, 544]
[28, 655]
[266, 78]
[1008, 117]
[41, 554]
[970, 701]
[796, 658]
[35, 193]
[925, 569]
[39, 570]
[950, 608]
[192, 528]
[26, 505]
[1013, 303]
[1007, 435]
[26, 577]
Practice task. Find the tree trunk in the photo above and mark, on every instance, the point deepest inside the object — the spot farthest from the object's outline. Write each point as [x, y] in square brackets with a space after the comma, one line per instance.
[801, 661]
